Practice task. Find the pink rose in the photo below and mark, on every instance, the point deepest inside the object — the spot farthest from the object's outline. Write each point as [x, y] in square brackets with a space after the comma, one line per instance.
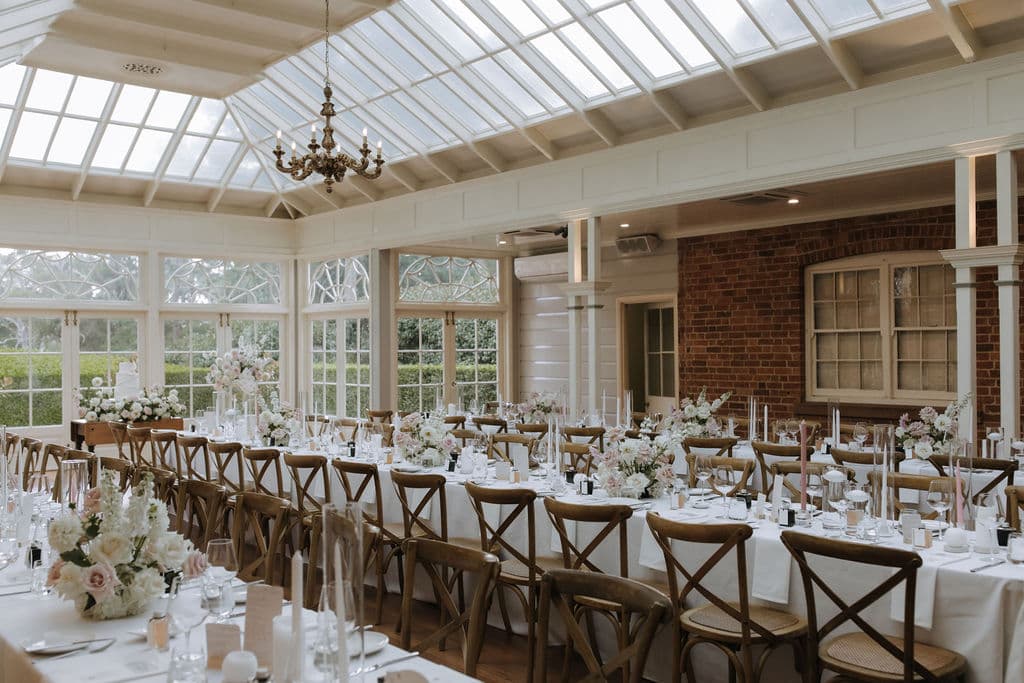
[100, 581]
[92, 501]
[194, 565]
[54, 576]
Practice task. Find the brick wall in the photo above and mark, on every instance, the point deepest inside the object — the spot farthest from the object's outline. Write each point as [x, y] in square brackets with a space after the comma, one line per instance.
[741, 302]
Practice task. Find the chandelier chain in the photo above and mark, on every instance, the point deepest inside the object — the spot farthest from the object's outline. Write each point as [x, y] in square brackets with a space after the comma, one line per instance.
[327, 34]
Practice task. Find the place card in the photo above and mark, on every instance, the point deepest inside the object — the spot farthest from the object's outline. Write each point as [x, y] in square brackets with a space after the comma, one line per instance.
[262, 604]
[220, 640]
[405, 676]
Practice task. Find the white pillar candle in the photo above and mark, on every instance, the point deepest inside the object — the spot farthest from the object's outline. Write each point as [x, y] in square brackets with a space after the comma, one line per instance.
[984, 448]
[339, 610]
[297, 639]
[282, 647]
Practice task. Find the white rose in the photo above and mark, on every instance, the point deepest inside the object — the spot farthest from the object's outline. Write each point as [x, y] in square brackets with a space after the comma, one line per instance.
[704, 411]
[169, 550]
[690, 411]
[147, 584]
[94, 401]
[636, 484]
[114, 548]
[924, 450]
[70, 584]
[90, 416]
[65, 532]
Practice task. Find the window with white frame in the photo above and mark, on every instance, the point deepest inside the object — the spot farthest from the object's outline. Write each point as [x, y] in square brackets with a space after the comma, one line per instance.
[881, 328]
[423, 278]
[221, 281]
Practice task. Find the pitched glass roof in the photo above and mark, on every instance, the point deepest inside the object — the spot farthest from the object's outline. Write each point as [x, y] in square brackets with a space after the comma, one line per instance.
[422, 75]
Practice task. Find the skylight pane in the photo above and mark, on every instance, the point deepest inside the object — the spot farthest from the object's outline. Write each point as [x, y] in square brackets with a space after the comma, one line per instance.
[457, 85]
[359, 80]
[147, 152]
[575, 71]
[578, 36]
[447, 99]
[5, 118]
[132, 104]
[356, 121]
[598, 4]
[207, 116]
[114, 146]
[255, 125]
[276, 104]
[71, 141]
[780, 19]
[426, 116]
[409, 41]
[450, 32]
[89, 96]
[387, 46]
[49, 90]
[423, 133]
[300, 79]
[553, 10]
[263, 183]
[32, 135]
[732, 23]
[839, 12]
[11, 77]
[167, 109]
[247, 171]
[683, 39]
[475, 24]
[531, 80]
[360, 63]
[216, 161]
[229, 129]
[504, 84]
[519, 15]
[186, 156]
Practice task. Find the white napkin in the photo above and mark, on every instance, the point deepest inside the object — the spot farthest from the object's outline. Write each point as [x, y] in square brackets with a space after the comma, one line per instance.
[924, 597]
[772, 565]
[102, 668]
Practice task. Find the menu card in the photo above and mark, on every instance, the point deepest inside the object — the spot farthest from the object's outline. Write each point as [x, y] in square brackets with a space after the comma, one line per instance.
[262, 604]
[220, 640]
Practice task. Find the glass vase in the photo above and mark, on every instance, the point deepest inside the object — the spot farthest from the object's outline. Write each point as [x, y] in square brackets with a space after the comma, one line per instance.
[883, 451]
[343, 578]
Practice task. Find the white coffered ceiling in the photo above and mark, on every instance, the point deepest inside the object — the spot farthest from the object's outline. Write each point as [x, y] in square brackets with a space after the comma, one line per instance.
[457, 89]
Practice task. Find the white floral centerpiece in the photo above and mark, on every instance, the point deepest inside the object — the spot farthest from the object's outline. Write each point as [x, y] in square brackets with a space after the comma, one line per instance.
[98, 404]
[113, 557]
[275, 420]
[241, 370]
[425, 441]
[696, 417]
[539, 406]
[933, 432]
[634, 468]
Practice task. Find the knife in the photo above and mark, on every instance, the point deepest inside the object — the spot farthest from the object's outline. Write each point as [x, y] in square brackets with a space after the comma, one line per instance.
[989, 565]
[396, 660]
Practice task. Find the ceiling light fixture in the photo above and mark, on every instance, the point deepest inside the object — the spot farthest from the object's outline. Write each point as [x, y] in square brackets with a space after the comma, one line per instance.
[320, 158]
[623, 225]
[792, 200]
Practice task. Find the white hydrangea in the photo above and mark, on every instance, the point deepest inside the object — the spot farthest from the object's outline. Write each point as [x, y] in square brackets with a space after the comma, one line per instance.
[64, 533]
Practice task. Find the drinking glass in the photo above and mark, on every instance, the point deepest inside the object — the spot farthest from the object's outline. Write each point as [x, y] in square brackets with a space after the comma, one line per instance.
[780, 430]
[985, 523]
[218, 598]
[793, 430]
[860, 434]
[38, 483]
[838, 501]
[858, 500]
[703, 471]
[40, 572]
[940, 498]
[186, 614]
[187, 666]
[814, 488]
[723, 482]
[221, 560]
[994, 434]
[1017, 444]
[8, 552]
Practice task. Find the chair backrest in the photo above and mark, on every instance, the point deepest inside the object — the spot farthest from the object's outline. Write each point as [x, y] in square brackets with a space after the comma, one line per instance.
[357, 479]
[164, 444]
[119, 430]
[457, 421]
[592, 436]
[195, 457]
[768, 452]
[140, 446]
[1014, 505]
[1004, 469]
[265, 467]
[163, 484]
[490, 425]
[465, 436]
[578, 456]
[644, 609]
[899, 481]
[905, 564]
[316, 424]
[11, 445]
[51, 456]
[261, 519]
[426, 487]
[613, 517]
[32, 450]
[740, 471]
[54, 455]
[710, 446]
[509, 506]
[124, 468]
[379, 415]
[444, 563]
[491, 407]
[538, 429]
[504, 445]
[782, 472]
[348, 428]
[860, 458]
[227, 465]
[200, 510]
[308, 471]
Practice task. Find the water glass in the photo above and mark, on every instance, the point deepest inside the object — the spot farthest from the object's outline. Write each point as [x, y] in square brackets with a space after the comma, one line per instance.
[1015, 548]
[985, 523]
[221, 560]
[940, 498]
[187, 667]
[218, 598]
[40, 572]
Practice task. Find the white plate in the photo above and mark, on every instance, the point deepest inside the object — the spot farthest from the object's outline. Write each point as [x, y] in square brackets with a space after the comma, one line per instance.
[373, 643]
[41, 647]
[407, 468]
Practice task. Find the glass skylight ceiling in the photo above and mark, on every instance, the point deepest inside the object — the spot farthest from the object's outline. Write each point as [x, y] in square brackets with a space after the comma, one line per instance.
[423, 76]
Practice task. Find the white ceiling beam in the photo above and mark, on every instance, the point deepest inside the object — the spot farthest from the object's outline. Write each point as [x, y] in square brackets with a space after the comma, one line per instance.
[444, 167]
[958, 28]
[271, 205]
[487, 152]
[297, 13]
[329, 198]
[747, 84]
[94, 144]
[172, 147]
[669, 108]
[404, 176]
[837, 52]
[363, 187]
[543, 145]
[375, 4]
[602, 125]
[15, 119]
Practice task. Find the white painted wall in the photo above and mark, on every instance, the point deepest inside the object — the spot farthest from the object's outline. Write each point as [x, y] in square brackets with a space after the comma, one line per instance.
[543, 319]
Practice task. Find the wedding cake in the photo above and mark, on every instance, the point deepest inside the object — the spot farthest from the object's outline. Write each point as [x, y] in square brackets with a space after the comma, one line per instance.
[127, 381]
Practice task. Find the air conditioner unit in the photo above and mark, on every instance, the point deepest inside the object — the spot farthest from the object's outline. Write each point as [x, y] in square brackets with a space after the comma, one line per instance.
[637, 244]
[542, 268]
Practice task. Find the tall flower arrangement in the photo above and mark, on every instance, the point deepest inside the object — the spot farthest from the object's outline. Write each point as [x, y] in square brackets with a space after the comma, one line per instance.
[933, 432]
[634, 468]
[275, 420]
[696, 417]
[242, 369]
[539, 406]
[98, 404]
[425, 441]
[112, 558]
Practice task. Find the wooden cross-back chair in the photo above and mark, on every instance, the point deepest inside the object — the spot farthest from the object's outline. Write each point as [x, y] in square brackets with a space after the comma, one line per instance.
[141, 446]
[307, 472]
[501, 446]
[316, 425]
[339, 526]
[32, 457]
[263, 521]
[720, 446]
[49, 459]
[591, 436]
[578, 456]
[124, 469]
[467, 436]
[119, 431]
[537, 429]
[11, 446]
[265, 467]
[379, 416]
[428, 487]
[164, 447]
[644, 610]
[457, 421]
[862, 461]
[491, 407]
[785, 470]
[442, 562]
[360, 482]
[497, 425]
[898, 481]
[228, 466]
[768, 452]
[54, 456]
[740, 470]
[866, 654]
[165, 486]
[733, 626]
[1003, 468]
[1014, 505]
[195, 457]
[200, 510]
[348, 428]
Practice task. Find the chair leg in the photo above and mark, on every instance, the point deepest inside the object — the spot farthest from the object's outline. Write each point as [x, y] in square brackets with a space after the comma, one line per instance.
[504, 610]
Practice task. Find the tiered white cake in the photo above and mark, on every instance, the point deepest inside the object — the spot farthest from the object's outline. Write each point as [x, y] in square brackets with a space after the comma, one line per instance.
[127, 381]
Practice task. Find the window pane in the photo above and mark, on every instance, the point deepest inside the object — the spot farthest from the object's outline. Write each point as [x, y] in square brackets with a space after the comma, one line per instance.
[167, 109]
[420, 369]
[247, 171]
[103, 345]
[499, 79]
[30, 371]
[638, 39]
[189, 346]
[596, 55]
[49, 90]
[732, 23]
[89, 96]
[62, 275]
[206, 281]
[343, 280]
[186, 156]
[208, 115]
[216, 161]
[32, 136]
[133, 104]
[780, 19]
[148, 150]
[114, 146]
[575, 71]
[474, 23]
[447, 279]
[11, 77]
[528, 77]
[519, 15]
[837, 12]
[71, 141]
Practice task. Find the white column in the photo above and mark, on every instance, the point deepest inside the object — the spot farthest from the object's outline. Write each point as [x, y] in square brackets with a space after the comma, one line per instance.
[966, 295]
[1008, 282]
[382, 337]
[575, 256]
[593, 308]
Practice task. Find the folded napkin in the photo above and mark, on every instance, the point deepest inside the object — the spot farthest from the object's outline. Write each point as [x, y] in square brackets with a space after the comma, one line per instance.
[924, 597]
[772, 565]
[103, 668]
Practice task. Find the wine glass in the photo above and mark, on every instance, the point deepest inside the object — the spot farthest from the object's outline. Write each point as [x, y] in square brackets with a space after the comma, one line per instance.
[860, 434]
[8, 552]
[940, 498]
[780, 430]
[985, 522]
[703, 471]
[838, 501]
[793, 429]
[724, 484]
[994, 435]
[186, 614]
[814, 487]
[220, 559]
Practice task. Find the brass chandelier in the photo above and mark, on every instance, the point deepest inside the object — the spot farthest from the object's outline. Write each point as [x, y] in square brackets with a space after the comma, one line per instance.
[321, 157]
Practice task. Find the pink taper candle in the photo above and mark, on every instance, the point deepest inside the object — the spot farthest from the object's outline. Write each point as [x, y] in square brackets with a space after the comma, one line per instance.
[803, 466]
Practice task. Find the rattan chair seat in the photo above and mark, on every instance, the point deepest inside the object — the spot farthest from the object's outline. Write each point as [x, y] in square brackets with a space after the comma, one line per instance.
[858, 655]
[713, 622]
[514, 571]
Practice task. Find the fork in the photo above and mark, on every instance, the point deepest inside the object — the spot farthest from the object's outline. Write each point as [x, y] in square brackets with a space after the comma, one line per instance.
[98, 646]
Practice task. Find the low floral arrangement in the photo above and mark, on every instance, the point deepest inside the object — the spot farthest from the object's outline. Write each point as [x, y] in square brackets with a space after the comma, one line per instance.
[241, 370]
[275, 421]
[538, 407]
[696, 417]
[113, 558]
[634, 468]
[425, 441]
[97, 404]
[933, 432]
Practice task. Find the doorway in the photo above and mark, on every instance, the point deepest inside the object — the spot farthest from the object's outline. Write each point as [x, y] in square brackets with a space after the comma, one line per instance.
[648, 353]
